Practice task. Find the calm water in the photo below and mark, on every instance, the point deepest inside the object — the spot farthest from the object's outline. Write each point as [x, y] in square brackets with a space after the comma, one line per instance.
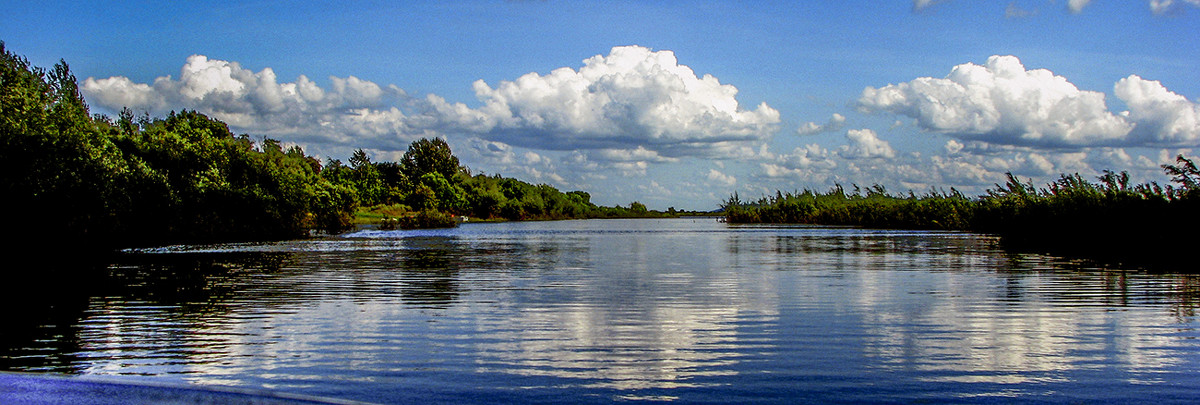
[680, 310]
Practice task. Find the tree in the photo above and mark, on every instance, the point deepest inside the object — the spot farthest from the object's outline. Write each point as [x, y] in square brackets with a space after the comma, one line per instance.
[367, 179]
[61, 171]
[449, 197]
[581, 198]
[429, 156]
[1185, 173]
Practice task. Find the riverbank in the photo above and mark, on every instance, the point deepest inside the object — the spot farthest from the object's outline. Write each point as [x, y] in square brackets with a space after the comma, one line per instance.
[1146, 225]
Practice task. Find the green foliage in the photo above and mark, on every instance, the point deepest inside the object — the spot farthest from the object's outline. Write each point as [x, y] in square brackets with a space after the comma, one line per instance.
[429, 177]
[429, 156]
[367, 179]
[1110, 219]
[427, 219]
[90, 181]
[62, 176]
[877, 208]
[447, 196]
[1185, 173]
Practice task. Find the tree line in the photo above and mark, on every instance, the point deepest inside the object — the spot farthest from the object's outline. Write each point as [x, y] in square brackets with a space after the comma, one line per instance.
[1108, 218]
[430, 184]
[92, 181]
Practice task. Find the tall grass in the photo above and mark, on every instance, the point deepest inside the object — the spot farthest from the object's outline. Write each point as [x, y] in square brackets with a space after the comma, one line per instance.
[875, 208]
[1108, 219]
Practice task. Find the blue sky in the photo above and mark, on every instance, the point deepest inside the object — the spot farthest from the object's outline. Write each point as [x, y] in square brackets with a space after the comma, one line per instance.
[668, 103]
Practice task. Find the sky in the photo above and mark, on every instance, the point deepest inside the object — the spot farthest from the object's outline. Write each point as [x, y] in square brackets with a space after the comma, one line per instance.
[672, 104]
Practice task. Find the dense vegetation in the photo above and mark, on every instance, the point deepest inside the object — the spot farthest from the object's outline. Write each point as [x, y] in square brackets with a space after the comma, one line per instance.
[97, 182]
[875, 208]
[430, 178]
[92, 181]
[1109, 219]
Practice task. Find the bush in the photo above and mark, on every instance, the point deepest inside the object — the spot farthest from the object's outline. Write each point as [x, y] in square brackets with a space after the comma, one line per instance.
[426, 219]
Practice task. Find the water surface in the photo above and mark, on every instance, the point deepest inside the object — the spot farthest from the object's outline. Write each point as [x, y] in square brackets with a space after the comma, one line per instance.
[675, 310]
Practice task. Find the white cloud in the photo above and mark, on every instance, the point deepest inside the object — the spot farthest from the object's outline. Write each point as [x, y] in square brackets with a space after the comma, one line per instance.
[1003, 103]
[772, 170]
[1161, 117]
[922, 4]
[494, 152]
[809, 162]
[835, 123]
[721, 178]
[864, 143]
[953, 146]
[1163, 6]
[1030, 164]
[1076, 6]
[639, 154]
[959, 172]
[807, 156]
[351, 112]
[633, 105]
[630, 169]
[498, 157]
[1111, 159]
[633, 97]
[654, 189]
[121, 92]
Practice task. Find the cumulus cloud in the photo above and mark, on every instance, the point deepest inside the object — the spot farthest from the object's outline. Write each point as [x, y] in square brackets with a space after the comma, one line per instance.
[633, 101]
[835, 123]
[1159, 115]
[639, 154]
[632, 97]
[865, 144]
[953, 146]
[971, 166]
[811, 162]
[1001, 102]
[501, 157]
[721, 178]
[1112, 158]
[495, 153]
[959, 172]
[118, 92]
[350, 111]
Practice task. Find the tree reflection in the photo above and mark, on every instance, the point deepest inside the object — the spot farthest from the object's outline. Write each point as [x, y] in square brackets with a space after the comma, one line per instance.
[41, 317]
[430, 272]
[47, 333]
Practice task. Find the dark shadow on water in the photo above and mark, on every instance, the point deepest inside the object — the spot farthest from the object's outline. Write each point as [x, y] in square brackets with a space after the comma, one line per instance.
[42, 330]
[431, 272]
[191, 279]
[44, 301]
[1151, 253]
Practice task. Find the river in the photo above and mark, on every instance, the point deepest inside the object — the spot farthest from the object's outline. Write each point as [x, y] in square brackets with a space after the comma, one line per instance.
[640, 311]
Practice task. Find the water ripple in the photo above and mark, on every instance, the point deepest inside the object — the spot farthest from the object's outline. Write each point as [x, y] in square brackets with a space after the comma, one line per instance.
[597, 311]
